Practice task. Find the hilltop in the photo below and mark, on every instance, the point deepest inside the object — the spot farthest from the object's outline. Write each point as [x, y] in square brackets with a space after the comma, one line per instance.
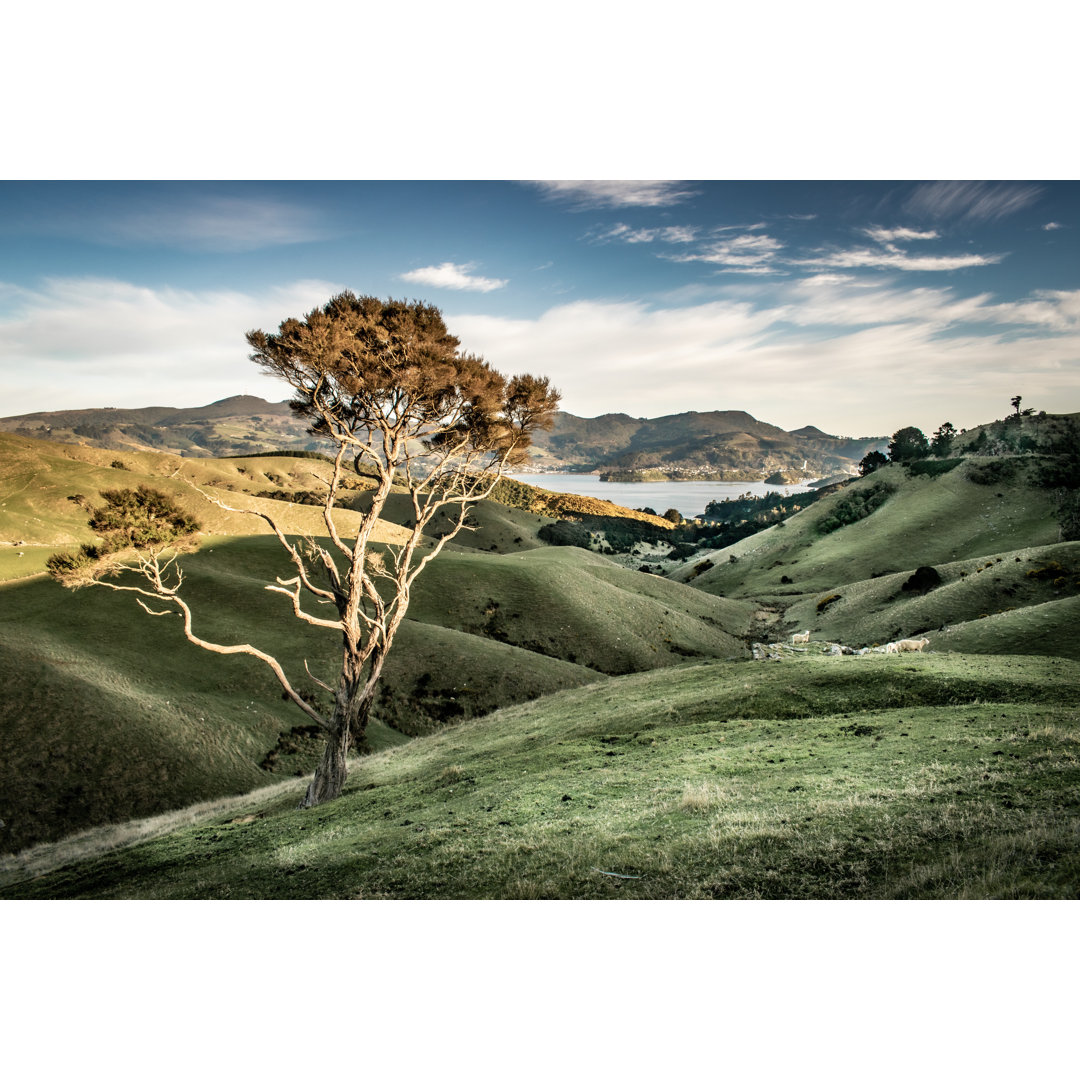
[234, 425]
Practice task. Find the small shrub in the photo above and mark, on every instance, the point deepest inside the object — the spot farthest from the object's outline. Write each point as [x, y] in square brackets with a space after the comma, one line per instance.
[923, 580]
[830, 599]
[857, 729]
[990, 472]
[118, 464]
[932, 467]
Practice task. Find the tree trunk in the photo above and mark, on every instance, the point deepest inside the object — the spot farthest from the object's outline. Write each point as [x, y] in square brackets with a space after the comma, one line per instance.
[331, 772]
[350, 729]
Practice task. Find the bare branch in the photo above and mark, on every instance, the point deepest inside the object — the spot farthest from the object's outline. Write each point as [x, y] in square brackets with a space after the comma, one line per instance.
[294, 595]
[294, 555]
[315, 679]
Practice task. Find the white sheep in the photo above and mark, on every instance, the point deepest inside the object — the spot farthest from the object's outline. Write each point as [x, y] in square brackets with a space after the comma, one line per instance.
[892, 647]
[801, 639]
[911, 645]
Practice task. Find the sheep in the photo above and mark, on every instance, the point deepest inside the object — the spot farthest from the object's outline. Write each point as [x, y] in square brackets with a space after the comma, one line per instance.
[892, 647]
[801, 639]
[911, 645]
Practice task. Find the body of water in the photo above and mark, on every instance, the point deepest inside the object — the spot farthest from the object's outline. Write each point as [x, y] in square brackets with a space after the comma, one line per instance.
[689, 497]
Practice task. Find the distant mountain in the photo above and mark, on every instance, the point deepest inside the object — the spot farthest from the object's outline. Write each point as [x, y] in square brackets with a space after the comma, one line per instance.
[234, 425]
[729, 445]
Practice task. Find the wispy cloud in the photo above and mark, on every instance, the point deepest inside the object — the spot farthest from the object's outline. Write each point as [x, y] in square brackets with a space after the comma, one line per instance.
[845, 346]
[893, 258]
[614, 194]
[449, 275]
[888, 236]
[971, 200]
[627, 234]
[1051, 225]
[751, 253]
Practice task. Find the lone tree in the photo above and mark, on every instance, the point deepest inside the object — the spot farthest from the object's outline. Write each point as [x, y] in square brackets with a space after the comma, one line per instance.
[942, 442]
[909, 444]
[388, 386]
[872, 462]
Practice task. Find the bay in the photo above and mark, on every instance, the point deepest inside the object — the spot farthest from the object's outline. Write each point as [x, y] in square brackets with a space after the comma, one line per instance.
[689, 497]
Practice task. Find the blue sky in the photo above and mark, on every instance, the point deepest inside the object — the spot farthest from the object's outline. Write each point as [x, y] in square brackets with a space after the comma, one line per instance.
[856, 306]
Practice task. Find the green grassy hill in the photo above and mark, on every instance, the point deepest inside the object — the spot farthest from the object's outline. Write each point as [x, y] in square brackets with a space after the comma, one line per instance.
[41, 481]
[108, 713]
[1023, 601]
[986, 528]
[924, 520]
[589, 730]
[821, 777]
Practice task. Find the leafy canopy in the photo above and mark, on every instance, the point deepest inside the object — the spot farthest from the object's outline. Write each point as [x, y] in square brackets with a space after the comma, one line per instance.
[909, 444]
[363, 367]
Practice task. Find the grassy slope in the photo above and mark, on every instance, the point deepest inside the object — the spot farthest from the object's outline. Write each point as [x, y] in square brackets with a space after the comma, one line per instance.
[1002, 604]
[989, 543]
[939, 776]
[927, 521]
[569, 602]
[108, 713]
[574, 604]
[37, 478]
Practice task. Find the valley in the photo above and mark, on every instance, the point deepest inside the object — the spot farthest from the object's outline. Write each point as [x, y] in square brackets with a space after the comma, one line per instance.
[554, 722]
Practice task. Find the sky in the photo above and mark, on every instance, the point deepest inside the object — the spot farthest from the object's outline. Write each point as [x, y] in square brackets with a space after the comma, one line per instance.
[859, 307]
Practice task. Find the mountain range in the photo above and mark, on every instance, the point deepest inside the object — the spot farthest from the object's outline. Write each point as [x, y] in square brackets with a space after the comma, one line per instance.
[718, 445]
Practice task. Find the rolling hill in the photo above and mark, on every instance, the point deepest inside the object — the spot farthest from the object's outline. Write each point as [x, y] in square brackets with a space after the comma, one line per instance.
[820, 778]
[726, 445]
[989, 530]
[588, 731]
[110, 714]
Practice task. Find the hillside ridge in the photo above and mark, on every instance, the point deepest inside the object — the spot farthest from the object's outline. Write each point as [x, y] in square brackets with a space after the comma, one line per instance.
[720, 444]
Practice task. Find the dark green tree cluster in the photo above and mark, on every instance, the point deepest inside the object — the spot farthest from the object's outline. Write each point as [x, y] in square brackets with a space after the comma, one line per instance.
[908, 444]
[132, 520]
[872, 462]
[855, 505]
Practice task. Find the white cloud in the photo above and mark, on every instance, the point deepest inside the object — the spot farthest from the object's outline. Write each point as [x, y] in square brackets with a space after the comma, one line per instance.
[453, 276]
[973, 200]
[1051, 225]
[893, 258]
[851, 359]
[852, 355]
[671, 234]
[888, 236]
[749, 253]
[613, 194]
[96, 342]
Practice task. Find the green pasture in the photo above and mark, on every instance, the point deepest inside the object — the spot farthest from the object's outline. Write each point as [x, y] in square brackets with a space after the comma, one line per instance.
[927, 520]
[819, 777]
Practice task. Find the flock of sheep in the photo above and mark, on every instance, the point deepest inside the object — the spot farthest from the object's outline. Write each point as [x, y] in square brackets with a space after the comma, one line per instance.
[904, 645]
